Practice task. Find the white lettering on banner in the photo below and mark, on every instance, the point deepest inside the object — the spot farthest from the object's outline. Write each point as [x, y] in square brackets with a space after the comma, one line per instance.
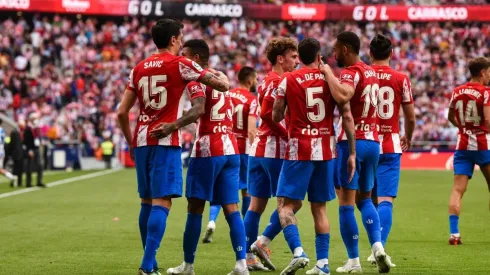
[369, 13]
[437, 13]
[136, 7]
[301, 12]
[76, 5]
[221, 10]
[15, 4]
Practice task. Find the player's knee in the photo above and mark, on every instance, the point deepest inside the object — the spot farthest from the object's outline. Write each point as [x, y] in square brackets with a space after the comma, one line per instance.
[245, 193]
[195, 206]
[146, 201]
[318, 209]
[460, 184]
[382, 199]
[258, 205]
[164, 202]
[230, 208]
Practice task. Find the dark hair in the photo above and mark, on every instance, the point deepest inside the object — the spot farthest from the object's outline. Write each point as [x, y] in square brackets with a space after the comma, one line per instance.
[478, 64]
[163, 30]
[1, 121]
[199, 47]
[351, 40]
[308, 50]
[279, 46]
[380, 47]
[245, 73]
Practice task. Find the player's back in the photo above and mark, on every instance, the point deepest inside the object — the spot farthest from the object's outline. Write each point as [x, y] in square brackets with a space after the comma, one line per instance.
[394, 91]
[468, 101]
[364, 102]
[244, 105]
[159, 82]
[214, 136]
[310, 112]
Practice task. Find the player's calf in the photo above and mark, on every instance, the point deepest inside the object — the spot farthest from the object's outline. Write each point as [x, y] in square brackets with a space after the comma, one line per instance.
[459, 188]
[237, 236]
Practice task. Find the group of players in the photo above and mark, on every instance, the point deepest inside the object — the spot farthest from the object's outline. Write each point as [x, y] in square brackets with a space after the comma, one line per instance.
[296, 150]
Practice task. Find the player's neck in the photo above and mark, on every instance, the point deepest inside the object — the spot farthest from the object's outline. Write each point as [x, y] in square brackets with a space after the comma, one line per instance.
[385, 62]
[245, 87]
[477, 80]
[278, 69]
[353, 60]
[165, 50]
[313, 65]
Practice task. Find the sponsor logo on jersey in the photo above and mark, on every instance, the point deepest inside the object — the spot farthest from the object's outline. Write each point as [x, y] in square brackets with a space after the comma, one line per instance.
[310, 131]
[197, 66]
[220, 129]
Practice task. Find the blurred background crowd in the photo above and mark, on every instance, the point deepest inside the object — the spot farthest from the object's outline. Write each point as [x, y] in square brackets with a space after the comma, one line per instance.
[71, 71]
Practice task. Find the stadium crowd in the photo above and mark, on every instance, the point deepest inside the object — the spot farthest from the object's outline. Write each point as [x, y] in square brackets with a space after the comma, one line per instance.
[73, 72]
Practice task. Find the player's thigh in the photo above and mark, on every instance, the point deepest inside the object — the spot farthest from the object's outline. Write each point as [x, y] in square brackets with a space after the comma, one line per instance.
[273, 169]
[464, 163]
[243, 171]
[294, 179]
[142, 164]
[368, 152]
[258, 184]
[226, 186]
[166, 172]
[388, 175]
[343, 174]
[201, 176]
[322, 187]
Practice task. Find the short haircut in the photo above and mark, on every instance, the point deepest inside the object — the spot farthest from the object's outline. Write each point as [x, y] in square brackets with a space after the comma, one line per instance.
[380, 47]
[199, 47]
[308, 50]
[279, 46]
[163, 30]
[478, 64]
[351, 40]
[245, 73]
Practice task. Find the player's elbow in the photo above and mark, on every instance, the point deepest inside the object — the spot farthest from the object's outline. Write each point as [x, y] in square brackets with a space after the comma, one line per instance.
[200, 110]
[122, 114]
[277, 116]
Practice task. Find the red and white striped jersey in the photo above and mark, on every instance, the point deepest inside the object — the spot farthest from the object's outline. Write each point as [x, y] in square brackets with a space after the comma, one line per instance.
[311, 111]
[364, 103]
[214, 136]
[159, 82]
[271, 139]
[468, 102]
[244, 105]
[394, 90]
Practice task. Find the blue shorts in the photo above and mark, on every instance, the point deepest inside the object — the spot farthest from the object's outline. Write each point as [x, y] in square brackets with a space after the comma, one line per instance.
[367, 157]
[388, 176]
[214, 179]
[243, 171]
[313, 177]
[159, 171]
[464, 161]
[263, 175]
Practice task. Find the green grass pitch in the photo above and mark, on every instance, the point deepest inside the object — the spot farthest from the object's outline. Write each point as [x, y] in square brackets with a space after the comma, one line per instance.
[71, 229]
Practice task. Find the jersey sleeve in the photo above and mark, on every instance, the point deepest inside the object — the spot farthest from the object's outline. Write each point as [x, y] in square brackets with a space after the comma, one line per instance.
[350, 77]
[486, 98]
[253, 108]
[190, 70]
[407, 97]
[280, 92]
[195, 90]
[451, 102]
[130, 85]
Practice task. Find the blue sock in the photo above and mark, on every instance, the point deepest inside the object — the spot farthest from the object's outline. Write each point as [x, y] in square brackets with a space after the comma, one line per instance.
[274, 227]
[156, 228]
[214, 212]
[349, 230]
[291, 234]
[453, 224]
[191, 236]
[322, 244]
[245, 205]
[385, 211]
[143, 221]
[370, 219]
[237, 234]
[251, 222]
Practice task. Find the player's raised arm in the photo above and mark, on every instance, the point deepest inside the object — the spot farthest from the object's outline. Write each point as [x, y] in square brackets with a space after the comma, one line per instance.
[350, 132]
[280, 102]
[409, 115]
[129, 98]
[341, 92]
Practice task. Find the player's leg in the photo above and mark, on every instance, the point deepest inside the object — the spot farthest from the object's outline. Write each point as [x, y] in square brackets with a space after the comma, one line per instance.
[165, 177]
[244, 184]
[320, 191]
[291, 191]
[213, 215]
[463, 171]
[348, 224]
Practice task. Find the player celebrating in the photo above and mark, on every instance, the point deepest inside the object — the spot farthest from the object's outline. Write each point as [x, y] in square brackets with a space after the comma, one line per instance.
[308, 167]
[158, 83]
[213, 172]
[469, 110]
[244, 127]
[267, 154]
[394, 92]
[359, 85]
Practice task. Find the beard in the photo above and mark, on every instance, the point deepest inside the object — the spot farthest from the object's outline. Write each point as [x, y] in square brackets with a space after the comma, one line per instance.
[340, 63]
[253, 89]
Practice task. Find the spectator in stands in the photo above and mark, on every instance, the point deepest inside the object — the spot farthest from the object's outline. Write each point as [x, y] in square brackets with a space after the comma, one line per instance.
[32, 143]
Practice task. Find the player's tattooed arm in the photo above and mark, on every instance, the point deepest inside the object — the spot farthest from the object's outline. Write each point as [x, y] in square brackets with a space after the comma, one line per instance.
[341, 92]
[486, 117]
[451, 117]
[409, 114]
[194, 113]
[278, 110]
[350, 132]
[216, 80]
[129, 98]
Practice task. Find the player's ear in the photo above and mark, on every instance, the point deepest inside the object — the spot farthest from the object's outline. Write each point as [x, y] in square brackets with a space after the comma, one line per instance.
[280, 59]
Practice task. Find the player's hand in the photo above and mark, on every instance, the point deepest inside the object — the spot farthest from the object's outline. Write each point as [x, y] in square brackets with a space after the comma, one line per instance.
[405, 143]
[324, 68]
[30, 154]
[131, 152]
[351, 166]
[163, 130]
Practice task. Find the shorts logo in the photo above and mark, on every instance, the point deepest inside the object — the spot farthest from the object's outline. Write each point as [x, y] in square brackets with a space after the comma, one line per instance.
[355, 237]
[369, 221]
